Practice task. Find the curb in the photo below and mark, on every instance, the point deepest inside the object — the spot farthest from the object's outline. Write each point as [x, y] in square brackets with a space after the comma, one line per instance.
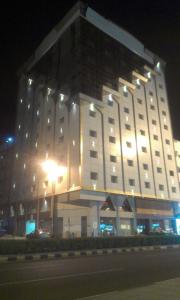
[68, 254]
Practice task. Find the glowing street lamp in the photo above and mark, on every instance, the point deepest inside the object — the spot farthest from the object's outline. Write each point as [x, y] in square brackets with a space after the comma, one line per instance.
[53, 171]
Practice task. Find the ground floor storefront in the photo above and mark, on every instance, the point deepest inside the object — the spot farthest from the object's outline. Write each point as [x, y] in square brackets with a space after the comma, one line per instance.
[95, 215]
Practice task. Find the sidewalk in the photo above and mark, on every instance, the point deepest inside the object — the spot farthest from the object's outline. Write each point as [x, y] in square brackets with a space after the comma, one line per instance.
[164, 290]
[66, 254]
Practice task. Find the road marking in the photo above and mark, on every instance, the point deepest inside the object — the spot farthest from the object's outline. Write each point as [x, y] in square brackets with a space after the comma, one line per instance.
[59, 277]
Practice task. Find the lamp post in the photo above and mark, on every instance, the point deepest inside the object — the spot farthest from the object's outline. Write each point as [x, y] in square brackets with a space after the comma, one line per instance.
[53, 171]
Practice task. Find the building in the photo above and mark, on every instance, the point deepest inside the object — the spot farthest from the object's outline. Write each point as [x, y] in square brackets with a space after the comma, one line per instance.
[92, 101]
[6, 159]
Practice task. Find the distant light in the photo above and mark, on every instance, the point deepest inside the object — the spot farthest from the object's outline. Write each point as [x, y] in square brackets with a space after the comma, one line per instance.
[21, 100]
[9, 140]
[29, 106]
[19, 127]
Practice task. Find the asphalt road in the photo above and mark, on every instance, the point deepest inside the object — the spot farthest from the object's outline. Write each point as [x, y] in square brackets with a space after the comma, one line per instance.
[74, 278]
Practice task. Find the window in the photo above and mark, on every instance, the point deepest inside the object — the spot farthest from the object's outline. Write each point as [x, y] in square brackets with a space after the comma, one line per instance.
[161, 187]
[139, 100]
[165, 127]
[94, 175]
[61, 139]
[155, 137]
[110, 102]
[145, 167]
[167, 142]
[162, 99]
[112, 139]
[114, 179]
[92, 113]
[131, 182]
[160, 86]
[173, 189]
[93, 154]
[130, 163]
[111, 120]
[113, 158]
[171, 173]
[154, 122]
[169, 157]
[150, 93]
[157, 153]
[61, 120]
[147, 185]
[127, 126]
[126, 110]
[152, 107]
[93, 133]
[144, 149]
[159, 170]
[142, 132]
[163, 113]
[141, 117]
[129, 145]
[125, 94]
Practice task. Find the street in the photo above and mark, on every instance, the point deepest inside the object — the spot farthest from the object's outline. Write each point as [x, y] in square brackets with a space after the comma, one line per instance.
[75, 278]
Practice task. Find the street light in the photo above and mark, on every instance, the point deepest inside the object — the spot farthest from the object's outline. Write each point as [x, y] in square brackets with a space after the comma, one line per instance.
[53, 171]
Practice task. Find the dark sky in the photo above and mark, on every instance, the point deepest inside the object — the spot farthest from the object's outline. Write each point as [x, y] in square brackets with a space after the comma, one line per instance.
[23, 26]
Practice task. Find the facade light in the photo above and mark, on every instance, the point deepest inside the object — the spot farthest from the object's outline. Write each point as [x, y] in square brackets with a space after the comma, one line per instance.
[24, 166]
[14, 185]
[49, 91]
[62, 97]
[138, 82]
[93, 144]
[125, 89]
[91, 106]
[158, 65]
[110, 97]
[61, 130]
[19, 126]
[149, 75]
[74, 143]
[94, 186]
[34, 178]
[30, 81]
[29, 106]
[37, 112]
[17, 155]
[36, 144]
[27, 135]
[21, 100]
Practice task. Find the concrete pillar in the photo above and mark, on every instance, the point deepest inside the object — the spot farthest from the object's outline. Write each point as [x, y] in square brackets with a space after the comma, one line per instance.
[117, 219]
[94, 219]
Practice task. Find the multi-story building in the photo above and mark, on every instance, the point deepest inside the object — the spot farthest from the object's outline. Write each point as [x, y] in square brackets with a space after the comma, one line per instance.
[93, 99]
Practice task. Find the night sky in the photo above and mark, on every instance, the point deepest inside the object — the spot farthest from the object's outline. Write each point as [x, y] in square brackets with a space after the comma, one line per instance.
[23, 26]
